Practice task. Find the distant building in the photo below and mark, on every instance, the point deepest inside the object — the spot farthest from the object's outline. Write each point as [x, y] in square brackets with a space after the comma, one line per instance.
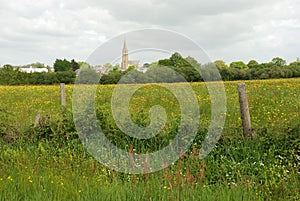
[106, 70]
[97, 68]
[142, 69]
[30, 69]
[125, 62]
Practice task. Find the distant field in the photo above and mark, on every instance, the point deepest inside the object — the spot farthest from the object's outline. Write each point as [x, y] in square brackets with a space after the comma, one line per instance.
[52, 163]
[273, 103]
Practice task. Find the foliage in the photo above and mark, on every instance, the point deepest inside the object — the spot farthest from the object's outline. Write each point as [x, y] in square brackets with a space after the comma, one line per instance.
[220, 64]
[10, 76]
[62, 65]
[238, 65]
[49, 161]
[65, 65]
[88, 76]
[279, 61]
[188, 68]
[75, 65]
[15, 77]
[9, 132]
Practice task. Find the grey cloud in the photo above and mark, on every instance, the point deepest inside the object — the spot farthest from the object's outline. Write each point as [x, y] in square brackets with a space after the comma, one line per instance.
[171, 12]
[227, 29]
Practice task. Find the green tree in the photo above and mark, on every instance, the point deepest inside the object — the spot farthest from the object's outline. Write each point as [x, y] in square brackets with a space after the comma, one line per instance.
[75, 65]
[67, 77]
[160, 74]
[112, 77]
[238, 65]
[176, 60]
[117, 66]
[83, 64]
[220, 64]
[107, 65]
[193, 62]
[11, 76]
[237, 74]
[62, 65]
[295, 68]
[253, 64]
[185, 67]
[225, 74]
[134, 76]
[276, 72]
[88, 76]
[279, 61]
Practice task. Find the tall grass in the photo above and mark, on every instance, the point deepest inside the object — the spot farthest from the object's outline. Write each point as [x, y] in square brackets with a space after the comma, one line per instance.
[50, 163]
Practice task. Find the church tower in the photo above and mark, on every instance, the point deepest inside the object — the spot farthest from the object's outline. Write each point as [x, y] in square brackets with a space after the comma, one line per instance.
[124, 64]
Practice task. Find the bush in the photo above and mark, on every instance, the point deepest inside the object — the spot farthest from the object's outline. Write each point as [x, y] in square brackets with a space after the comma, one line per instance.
[59, 131]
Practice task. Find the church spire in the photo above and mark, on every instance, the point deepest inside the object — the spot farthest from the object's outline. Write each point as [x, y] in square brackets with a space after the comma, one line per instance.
[125, 46]
[124, 64]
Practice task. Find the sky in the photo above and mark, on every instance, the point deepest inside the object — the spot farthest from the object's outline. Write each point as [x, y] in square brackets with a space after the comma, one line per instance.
[230, 30]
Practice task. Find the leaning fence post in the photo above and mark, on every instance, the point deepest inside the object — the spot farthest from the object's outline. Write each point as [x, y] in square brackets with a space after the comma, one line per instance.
[245, 115]
[63, 96]
[37, 119]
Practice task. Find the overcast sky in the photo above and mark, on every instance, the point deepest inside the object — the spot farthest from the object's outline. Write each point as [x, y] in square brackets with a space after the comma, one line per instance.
[231, 30]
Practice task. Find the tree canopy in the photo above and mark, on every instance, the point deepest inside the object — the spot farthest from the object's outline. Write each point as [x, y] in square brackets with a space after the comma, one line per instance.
[62, 65]
[172, 69]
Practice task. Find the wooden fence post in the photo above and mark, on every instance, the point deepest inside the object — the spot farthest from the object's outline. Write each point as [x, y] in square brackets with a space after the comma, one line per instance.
[63, 96]
[245, 115]
[37, 119]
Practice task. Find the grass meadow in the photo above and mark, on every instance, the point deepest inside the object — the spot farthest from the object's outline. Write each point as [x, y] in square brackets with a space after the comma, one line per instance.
[49, 162]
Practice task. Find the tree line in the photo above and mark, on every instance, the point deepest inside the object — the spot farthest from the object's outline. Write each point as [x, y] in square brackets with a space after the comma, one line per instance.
[64, 72]
[173, 69]
[190, 70]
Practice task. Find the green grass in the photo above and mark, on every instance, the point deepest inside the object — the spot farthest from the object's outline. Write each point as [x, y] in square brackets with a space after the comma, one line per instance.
[50, 163]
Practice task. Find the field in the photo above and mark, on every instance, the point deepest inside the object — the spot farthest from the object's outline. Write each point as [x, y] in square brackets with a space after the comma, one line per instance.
[49, 162]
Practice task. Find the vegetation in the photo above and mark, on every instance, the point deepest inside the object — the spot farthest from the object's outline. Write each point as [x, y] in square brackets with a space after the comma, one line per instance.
[65, 65]
[188, 68]
[49, 162]
[11, 76]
